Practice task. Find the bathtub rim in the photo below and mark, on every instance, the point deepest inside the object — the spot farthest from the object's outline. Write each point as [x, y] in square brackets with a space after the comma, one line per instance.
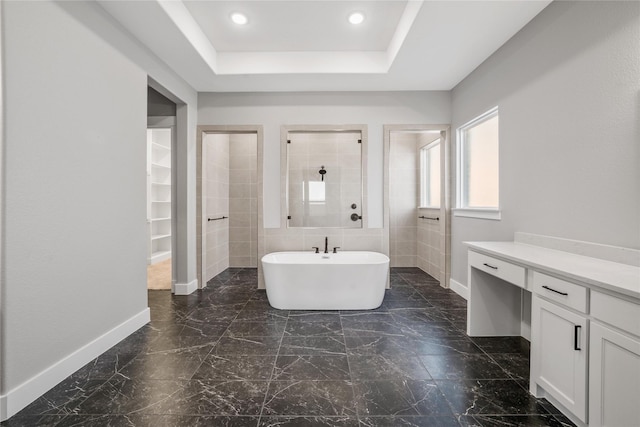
[267, 258]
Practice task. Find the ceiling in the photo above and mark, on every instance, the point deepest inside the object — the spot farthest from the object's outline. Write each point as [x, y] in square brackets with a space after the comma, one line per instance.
[309, 45]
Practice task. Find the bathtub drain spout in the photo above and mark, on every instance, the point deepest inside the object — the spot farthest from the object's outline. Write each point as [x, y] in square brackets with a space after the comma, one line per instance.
[326, 245]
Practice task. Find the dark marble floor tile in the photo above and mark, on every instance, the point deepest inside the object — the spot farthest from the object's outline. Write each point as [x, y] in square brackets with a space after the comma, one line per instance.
[20, 420]
[545, 420]
[310, 398]
[225, 295]
[515, 364]
[431, 330]
[385, 367]
[373, 328]
[299, 328]
[209, 314]
[247, 345]
[259, 295]
[173, 364]
[204, 329]
[409, 421]
[402, 293]
[379, 310]
[397, 280]
[366, 316]
[450, 302]
[255, 329]
[290, 368]
[261, 315]
[446, 345]
[454, 314]
[503, 344]
[236, 367]
[64, 398]
[409, 315]
[121, 396]
[467, 366]
[496, 397]
[406, 303]
[400, 397]
[390, 346]
[261, 305]
[314, 316]
[158, 421]
[332, 345]
[166, 343]
[210, 397]
[104, 366]
[308, 422]
[460, 325]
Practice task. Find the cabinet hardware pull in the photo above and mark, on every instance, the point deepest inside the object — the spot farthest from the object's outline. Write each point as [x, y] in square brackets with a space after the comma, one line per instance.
[576, 334]
[553, 290]
[490, 266]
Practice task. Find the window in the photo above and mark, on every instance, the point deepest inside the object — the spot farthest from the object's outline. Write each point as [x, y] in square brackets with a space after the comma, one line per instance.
[478, 171]
[430, 175]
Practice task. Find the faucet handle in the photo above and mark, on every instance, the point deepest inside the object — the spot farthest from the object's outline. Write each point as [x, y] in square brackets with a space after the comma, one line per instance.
[335, 250]
[316, 248]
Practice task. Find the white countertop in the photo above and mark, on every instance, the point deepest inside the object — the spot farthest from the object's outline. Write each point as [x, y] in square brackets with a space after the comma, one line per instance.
[621, 278]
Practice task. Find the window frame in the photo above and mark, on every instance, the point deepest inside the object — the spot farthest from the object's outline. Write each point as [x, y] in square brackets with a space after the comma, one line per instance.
[493, 213]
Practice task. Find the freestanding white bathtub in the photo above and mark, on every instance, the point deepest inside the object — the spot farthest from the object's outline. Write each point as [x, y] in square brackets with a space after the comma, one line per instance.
[350, 280]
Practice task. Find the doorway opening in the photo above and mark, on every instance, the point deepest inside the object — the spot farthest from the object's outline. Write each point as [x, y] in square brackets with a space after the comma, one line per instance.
[161, 140]
[229, 199]
[417, 198]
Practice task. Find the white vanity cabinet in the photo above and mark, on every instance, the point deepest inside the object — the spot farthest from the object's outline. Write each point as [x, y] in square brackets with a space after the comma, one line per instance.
[584, 318]
[559, 356]
[614, 366]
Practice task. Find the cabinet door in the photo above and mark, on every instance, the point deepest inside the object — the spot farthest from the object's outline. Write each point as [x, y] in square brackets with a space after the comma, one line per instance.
[559, 354]
[614, 378]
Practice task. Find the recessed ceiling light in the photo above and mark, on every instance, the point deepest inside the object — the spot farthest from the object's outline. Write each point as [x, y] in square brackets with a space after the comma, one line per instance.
[356, 18]
[239, 18]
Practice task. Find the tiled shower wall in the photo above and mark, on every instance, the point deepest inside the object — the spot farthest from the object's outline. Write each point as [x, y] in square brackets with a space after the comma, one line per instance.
[216, 191]
[403, 199]
[339, 156]
[430, 256]
[431, 236]
[243, 200]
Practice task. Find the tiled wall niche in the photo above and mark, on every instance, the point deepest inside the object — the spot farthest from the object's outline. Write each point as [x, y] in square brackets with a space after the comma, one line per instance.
[241, 201]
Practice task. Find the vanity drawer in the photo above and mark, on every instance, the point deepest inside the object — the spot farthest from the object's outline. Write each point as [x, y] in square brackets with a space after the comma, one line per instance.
[561, 291]
[511, 273]
[618, 312]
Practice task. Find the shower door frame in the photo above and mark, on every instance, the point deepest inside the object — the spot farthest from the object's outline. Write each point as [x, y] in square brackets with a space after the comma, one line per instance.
[201, 220]
[445, 188]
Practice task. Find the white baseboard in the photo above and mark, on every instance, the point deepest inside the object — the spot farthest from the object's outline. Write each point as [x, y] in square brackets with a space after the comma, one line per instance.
[18, 398]
[459, 288]
[185, 288]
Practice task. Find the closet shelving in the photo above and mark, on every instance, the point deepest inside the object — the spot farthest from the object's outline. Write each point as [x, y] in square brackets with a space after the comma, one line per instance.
[159, 194]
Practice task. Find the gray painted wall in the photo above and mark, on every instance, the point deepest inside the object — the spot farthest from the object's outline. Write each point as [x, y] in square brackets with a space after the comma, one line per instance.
[158, 104]
[73, 238]
[567, 87]
[75, 189]
[272, 110]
